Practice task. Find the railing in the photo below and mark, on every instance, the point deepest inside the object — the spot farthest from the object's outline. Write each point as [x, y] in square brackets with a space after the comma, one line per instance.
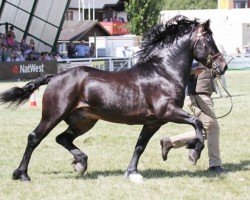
[104, 63]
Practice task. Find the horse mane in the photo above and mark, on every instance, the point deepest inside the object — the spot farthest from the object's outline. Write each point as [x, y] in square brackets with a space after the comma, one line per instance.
[162, 34]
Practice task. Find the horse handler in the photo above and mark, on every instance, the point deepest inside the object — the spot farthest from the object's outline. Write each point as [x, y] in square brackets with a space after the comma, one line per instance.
[199, 90]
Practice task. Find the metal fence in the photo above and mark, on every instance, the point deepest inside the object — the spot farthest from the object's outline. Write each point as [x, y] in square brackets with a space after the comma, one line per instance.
[105, 64]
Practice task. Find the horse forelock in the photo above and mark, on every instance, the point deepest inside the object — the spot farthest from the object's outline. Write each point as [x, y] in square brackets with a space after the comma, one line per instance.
[165, 34]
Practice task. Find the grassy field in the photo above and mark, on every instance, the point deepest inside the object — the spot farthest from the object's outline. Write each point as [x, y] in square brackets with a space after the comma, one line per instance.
[110, 147]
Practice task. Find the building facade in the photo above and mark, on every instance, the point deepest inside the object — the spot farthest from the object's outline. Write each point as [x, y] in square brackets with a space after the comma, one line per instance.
[230, 4]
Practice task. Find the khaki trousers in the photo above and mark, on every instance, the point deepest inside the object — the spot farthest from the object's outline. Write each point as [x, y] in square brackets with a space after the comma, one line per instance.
[211, 126]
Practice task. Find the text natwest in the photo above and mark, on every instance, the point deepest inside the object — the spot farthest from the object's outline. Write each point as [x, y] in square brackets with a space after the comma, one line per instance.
[30, 68]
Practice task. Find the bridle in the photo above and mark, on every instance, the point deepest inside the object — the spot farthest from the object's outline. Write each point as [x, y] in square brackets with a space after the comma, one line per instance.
[211, 59]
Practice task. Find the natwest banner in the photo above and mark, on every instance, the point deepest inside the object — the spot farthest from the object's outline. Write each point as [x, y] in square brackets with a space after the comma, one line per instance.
[27, 69]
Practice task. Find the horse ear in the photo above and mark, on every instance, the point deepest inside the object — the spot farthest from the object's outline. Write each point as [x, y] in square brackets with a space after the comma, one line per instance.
[206, 25]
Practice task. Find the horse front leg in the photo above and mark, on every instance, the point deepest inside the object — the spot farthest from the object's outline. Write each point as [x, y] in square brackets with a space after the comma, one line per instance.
[145, 135]
[177, 115]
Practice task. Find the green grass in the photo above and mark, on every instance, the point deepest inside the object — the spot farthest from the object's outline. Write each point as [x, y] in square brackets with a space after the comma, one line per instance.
[110, 147]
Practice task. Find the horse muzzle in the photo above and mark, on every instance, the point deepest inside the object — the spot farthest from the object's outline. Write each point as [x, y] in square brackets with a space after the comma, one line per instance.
[219, 66]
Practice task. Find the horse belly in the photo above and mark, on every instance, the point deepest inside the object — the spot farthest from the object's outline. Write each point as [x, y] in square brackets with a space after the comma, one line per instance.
[117, 115]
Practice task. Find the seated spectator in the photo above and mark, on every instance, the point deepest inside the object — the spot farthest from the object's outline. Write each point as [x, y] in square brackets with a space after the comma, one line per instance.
[10, 41]
[4, 41]
[5, 53]
[19, 56]
[47, 56]
[31, 56]
[11, 57]
[24, 46]
[58, 57]
[32, 44]
[42, 56]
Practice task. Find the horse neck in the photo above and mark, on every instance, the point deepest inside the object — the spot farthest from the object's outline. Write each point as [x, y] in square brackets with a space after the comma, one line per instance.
[177, 60]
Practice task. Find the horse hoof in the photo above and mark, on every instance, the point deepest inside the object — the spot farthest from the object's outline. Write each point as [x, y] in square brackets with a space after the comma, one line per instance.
[193, 156]
[136, 178]
[80, 168]
[18, 175]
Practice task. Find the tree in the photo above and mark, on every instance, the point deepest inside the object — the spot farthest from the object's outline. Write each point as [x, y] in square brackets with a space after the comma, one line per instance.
[190, 4]
[143, 14]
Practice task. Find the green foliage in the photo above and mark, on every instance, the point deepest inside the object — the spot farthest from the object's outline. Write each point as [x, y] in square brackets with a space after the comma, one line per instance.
[143, 14]
[190, 4]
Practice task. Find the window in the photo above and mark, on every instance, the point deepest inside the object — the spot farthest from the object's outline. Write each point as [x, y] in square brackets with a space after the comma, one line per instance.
[240, 4]
[69, 15]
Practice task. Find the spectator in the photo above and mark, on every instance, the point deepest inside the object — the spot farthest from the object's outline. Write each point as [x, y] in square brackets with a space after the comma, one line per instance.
[80, 49]
[92, 50]
[42, 56]
[24, 46]
[4, 41]
[31, 57]
[47, 56]
[246, 51]
[10, 39]
[11, 32]
[127, 52]
[11, 57]
[71, 50]
[86, 50]
[5, 53]
[19, 56]
[58, 57]
[32, 44]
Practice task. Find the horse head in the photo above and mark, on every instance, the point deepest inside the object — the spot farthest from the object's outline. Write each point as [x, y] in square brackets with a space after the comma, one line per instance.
[205, 50]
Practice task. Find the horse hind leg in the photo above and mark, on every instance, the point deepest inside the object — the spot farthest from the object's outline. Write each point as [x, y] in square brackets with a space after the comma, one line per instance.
[51, 116]
[66, 140]
[34, 139]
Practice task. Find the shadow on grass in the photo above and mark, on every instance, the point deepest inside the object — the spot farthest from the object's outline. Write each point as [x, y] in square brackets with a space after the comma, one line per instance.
[229, 167]
[156, 173]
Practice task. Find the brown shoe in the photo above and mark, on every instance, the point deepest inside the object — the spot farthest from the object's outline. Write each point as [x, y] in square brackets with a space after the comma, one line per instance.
[166, 145]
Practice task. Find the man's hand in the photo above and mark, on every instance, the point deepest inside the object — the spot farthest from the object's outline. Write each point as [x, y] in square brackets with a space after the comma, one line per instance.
[197, 70]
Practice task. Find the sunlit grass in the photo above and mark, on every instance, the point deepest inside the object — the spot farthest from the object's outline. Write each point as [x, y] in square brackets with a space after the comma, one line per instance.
[110, 147]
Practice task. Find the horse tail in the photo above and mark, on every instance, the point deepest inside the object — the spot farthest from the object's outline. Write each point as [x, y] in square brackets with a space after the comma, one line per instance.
[16, 95]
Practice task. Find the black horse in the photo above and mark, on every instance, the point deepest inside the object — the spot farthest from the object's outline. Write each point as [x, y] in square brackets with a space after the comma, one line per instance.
[151, 93]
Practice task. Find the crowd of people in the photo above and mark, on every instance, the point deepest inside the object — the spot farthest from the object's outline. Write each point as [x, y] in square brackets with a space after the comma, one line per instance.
[11, 50]
[81, 50]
